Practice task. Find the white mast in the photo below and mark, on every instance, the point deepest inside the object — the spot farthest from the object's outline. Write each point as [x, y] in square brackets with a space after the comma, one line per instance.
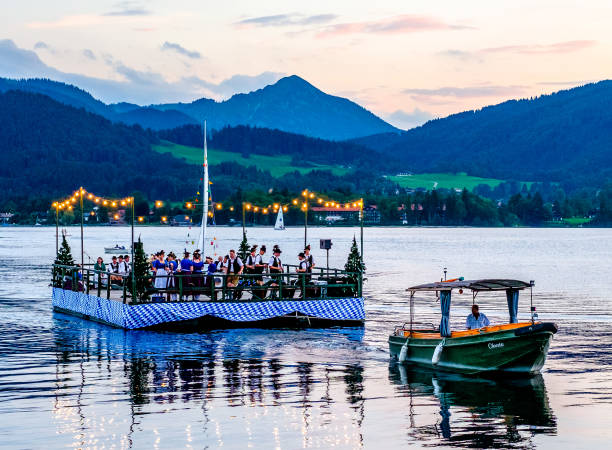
[202, 236]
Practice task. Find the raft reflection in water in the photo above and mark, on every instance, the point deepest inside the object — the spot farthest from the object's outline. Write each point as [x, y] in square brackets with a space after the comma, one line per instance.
[488, 413]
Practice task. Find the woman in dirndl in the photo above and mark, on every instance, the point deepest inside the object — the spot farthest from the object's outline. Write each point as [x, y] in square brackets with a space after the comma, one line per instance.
[161, 279]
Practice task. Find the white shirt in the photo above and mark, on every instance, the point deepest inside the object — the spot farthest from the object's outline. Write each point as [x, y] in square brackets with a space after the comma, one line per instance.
[472, 323]
[303, 265]
[279, 263]
[124, 268]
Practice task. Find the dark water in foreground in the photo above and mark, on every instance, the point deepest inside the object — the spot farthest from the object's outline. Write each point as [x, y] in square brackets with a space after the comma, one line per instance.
[66, 382]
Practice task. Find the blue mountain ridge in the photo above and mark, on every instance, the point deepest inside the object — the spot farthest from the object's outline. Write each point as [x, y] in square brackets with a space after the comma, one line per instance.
[291, 104]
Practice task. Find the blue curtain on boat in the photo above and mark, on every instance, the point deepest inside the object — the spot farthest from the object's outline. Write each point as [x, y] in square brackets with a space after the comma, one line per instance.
[445, 301]
[512, 296]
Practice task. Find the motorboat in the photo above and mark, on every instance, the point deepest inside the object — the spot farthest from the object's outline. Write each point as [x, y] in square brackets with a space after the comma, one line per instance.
[513, 347]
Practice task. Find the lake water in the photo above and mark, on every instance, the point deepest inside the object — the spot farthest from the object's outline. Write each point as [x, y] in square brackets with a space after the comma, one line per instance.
[67, 382]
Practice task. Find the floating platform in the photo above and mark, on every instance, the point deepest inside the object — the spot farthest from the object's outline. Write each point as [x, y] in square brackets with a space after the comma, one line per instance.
[209, 314]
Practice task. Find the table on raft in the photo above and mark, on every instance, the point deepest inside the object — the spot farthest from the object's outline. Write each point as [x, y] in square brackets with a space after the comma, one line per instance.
[116, 307]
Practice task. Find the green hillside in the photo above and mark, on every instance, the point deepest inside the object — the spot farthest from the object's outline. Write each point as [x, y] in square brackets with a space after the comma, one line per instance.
[277, 165]
[443, 181]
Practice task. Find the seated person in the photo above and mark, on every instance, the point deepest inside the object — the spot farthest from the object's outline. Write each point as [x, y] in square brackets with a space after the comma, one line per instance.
[476, 319]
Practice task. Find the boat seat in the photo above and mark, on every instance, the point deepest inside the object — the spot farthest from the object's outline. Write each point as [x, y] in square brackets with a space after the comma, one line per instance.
[464, 333]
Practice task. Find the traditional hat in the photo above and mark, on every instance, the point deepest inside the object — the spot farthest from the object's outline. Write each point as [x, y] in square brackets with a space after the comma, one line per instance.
[301, 254]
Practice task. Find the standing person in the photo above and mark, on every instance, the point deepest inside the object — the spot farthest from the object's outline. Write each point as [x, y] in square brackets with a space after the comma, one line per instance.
[260, 265]
[302, 269]
[249, 263]
[126, 260]
[220, 264]
[185, 269]
[275, 265]
[197, 279]
[172, 264]
[309, 260]
[234, 269]
[124, 268]
[211, 269]
[100, 271]
[161, 279]
[113, 270]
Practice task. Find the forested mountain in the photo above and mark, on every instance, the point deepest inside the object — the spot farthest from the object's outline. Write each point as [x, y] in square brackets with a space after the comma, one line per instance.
[563, 137]
[291, 104]
[248, 140]
[49, 149]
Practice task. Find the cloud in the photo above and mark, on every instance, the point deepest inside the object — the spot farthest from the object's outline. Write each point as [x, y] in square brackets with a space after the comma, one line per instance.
[241, 83]
[89, 54]
[406, 120]
[539, 49]
[283, 20]
[136, 86]
[467, 92]
[406, 23]
[40, 45]
[171, 46]
[128, 8]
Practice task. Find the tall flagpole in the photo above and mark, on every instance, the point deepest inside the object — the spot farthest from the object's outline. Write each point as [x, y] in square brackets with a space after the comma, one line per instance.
[202, 236]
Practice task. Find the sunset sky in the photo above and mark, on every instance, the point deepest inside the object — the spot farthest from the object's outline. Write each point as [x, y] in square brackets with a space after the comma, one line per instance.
[405, 61]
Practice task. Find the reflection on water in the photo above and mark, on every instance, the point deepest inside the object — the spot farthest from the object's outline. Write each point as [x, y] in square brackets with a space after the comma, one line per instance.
[500, 412]
[67, 382]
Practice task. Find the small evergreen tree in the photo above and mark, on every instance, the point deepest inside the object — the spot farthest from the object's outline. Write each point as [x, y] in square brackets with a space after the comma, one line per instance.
[64, 258]
[355, 264]
[141, 272]
[244, 249]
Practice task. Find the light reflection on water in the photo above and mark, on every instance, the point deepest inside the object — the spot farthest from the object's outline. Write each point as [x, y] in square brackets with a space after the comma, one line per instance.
[69, 382]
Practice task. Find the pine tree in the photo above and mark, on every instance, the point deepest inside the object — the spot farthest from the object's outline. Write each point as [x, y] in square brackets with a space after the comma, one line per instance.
[244, 248]
[141, 272]
[355, 265]
[63, 258]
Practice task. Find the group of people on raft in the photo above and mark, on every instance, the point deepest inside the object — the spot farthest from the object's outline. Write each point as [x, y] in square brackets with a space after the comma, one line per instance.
[197, 272]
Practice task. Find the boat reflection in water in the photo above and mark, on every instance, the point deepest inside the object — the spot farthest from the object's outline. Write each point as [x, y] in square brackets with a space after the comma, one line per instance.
[475, 412]
[229, 388]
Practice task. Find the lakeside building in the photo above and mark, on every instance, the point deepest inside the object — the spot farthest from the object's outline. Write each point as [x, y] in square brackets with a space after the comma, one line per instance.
[341, 215]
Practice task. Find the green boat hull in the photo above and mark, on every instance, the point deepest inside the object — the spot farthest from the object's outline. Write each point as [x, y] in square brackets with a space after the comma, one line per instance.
[515, 351]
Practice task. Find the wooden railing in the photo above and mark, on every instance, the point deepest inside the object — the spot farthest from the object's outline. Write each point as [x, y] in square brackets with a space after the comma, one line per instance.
[321, 283]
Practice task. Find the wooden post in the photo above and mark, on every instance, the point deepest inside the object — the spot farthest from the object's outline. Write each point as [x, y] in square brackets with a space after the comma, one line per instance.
[132, 253]
[305, 223]
[243, 217]
[56, 230]
[361, 224]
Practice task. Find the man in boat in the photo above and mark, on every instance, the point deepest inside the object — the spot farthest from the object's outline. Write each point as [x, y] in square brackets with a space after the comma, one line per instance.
[260, 265]
[309, 259]
[234, 269]
[476, 319]
[249, 263]
[275, 266]
[302, 269]
[113, 270]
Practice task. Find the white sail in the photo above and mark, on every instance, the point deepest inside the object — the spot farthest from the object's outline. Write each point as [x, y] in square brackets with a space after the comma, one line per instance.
[280, 223]
[205, 185]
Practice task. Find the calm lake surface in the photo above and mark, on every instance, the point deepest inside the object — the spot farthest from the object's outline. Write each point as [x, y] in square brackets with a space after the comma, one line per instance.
[67, 382]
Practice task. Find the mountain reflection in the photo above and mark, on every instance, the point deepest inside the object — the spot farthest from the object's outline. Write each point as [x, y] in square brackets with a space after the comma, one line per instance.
[476, 412]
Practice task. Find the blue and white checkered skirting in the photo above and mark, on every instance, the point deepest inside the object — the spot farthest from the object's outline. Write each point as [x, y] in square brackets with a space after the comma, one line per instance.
[145, 315]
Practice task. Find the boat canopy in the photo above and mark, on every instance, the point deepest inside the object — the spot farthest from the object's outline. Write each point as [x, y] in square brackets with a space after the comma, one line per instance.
[493, 284]
[512, 288]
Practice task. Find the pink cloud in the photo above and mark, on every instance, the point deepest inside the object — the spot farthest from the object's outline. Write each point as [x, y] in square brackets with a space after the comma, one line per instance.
[405, 23]
[538, 49]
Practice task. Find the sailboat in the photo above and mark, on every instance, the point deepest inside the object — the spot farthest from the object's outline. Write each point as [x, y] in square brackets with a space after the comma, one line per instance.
[280, 223]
